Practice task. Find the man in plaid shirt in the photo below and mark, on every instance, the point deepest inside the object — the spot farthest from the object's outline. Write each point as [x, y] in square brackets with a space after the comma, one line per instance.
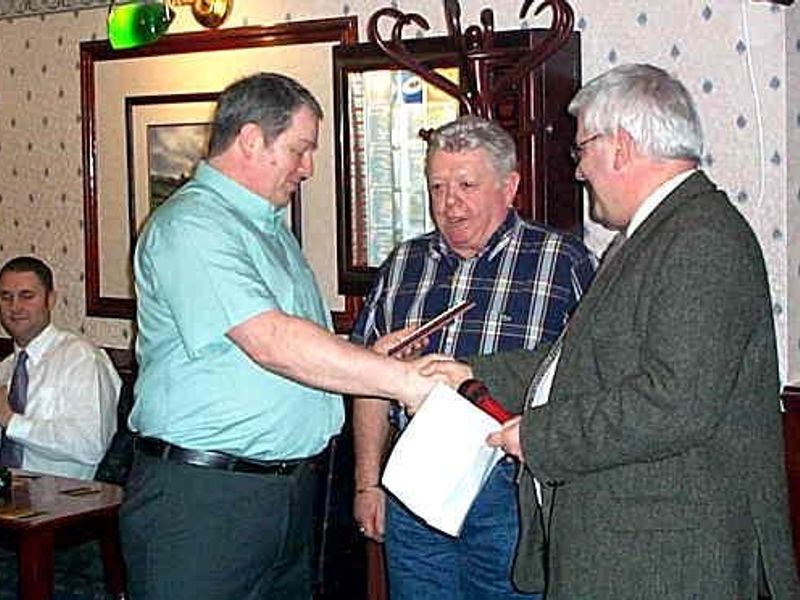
[525, 281]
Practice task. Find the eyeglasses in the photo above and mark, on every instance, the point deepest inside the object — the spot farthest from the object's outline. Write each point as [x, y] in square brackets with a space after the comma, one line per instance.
[576, 150]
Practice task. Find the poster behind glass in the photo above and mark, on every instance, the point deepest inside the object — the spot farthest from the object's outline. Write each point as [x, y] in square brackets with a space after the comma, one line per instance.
[388, 110]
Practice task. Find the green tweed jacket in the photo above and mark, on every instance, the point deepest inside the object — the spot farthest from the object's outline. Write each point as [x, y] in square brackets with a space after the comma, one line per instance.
[661, 447]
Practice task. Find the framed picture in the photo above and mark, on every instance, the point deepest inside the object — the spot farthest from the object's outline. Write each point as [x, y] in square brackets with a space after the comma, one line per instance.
[144, 111]
[166, 137]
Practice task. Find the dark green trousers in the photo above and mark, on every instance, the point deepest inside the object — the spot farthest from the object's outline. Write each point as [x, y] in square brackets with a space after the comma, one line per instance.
[198, 533]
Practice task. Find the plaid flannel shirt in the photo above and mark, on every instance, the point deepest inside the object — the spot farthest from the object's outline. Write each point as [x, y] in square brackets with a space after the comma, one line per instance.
[525, 284]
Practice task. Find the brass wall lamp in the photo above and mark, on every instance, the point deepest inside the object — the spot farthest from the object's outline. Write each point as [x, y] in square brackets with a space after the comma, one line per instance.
[142, 22]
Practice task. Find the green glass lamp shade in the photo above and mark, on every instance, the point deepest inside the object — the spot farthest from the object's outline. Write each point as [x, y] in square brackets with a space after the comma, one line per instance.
[137, 23]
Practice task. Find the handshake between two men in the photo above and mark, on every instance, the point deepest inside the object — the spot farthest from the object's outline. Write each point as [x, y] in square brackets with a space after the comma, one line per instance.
[454, 373]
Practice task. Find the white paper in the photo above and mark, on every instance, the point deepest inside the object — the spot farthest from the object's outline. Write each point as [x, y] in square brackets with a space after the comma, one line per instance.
[441, 460]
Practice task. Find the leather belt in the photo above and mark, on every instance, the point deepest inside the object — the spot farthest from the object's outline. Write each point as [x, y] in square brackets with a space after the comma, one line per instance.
[215, 460]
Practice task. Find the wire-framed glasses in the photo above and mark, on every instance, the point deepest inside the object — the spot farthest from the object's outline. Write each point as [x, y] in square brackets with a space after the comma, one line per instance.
[576, 150]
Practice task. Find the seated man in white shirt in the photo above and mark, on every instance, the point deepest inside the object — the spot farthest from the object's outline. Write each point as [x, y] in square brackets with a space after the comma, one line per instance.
[58, 392]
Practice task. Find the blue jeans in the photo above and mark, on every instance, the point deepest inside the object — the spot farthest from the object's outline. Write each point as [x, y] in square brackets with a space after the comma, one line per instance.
[424, 564]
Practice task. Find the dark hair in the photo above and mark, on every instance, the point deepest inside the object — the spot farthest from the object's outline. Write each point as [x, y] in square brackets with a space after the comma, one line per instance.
[30, 264]
[267, 99]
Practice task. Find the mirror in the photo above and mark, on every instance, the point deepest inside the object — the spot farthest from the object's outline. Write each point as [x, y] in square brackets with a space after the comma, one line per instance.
[387, 110]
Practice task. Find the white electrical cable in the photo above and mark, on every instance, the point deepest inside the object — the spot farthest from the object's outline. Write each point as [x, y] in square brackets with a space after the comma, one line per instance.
[761, 156]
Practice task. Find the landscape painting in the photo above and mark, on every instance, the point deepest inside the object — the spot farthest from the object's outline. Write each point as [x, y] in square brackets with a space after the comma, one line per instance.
[173, 153]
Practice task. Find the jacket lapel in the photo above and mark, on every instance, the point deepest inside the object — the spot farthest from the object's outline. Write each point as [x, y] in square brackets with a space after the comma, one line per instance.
[607, 277]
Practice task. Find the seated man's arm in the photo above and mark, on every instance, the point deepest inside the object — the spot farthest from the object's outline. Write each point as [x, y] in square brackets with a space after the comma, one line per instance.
[73, 415]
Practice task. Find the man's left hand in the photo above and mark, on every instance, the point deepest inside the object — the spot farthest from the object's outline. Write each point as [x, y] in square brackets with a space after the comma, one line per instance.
[384, 343]
[508, 438]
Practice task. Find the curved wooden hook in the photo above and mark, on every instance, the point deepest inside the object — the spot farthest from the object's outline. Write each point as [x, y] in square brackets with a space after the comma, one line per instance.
[560, 30]
[397, 51]
[469, 85]
[487, 20]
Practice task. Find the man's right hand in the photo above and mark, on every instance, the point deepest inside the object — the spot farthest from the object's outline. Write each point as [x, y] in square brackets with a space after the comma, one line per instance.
[369, 510]
[444, 369]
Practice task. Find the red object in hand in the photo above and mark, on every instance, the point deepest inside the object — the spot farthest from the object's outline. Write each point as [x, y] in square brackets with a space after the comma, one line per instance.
[476, 392]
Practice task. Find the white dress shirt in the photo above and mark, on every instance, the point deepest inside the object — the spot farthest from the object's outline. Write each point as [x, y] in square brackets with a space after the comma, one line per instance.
[71, 411]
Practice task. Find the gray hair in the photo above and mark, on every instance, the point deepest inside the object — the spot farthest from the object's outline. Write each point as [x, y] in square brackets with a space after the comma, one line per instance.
[651, 105]
[267, 99]
[473, 133]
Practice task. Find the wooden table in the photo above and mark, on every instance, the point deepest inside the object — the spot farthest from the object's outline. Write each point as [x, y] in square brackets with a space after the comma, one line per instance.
[46, 512]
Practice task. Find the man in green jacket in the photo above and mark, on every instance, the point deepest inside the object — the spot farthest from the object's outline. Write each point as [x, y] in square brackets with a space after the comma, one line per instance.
[651, 433]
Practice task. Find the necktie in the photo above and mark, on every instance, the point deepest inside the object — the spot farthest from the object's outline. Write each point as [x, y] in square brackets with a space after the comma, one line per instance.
[555, 350]
[611, 250]
[10, 451]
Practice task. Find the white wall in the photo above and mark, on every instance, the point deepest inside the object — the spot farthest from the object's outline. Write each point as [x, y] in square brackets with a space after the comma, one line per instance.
[740, 59]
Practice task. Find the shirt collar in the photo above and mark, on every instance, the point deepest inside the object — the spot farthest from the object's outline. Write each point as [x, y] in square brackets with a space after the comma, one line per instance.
[440, 248]
[238, 198]
[37, 347]
[653, 200]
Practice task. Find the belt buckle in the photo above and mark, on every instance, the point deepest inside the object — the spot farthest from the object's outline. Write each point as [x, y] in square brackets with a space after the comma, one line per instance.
[166, 451]
[254, 466]
[284, 468]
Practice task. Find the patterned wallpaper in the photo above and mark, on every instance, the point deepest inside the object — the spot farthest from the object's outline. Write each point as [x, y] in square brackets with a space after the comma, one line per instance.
[740, 59]
[792, 273]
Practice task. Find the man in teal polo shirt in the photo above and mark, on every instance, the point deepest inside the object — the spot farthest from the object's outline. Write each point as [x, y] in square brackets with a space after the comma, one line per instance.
[235, 354]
